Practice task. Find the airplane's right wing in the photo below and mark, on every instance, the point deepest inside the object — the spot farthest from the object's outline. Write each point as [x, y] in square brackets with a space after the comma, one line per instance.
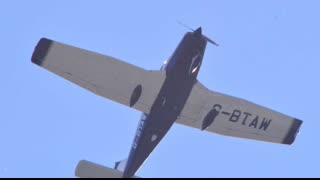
[103, 75]
[231, 116]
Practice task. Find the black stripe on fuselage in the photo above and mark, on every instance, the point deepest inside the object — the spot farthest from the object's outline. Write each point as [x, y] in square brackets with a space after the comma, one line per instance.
[169, 102]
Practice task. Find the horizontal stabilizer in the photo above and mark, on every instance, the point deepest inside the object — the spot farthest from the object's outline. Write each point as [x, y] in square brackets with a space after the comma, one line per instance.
[120, 165]
[86, 169]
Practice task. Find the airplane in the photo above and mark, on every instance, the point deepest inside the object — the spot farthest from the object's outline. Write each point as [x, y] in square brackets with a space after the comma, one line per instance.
[170, 95]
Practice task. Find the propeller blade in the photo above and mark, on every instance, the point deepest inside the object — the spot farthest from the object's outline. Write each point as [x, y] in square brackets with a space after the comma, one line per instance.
[210, 41]
[185, 26]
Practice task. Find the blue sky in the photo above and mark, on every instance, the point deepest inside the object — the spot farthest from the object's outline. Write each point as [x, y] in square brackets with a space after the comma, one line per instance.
[269, 54]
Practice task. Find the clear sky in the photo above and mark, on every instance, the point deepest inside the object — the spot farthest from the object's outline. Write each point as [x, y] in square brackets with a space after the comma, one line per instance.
[269, 54]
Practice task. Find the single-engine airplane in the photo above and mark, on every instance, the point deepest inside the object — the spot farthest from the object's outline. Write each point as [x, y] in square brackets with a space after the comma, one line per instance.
[170, 95]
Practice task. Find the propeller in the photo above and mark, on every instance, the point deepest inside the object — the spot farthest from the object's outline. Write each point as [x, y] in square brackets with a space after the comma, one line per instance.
[208, 39]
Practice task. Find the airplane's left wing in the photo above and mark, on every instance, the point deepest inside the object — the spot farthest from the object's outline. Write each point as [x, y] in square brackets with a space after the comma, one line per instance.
[103, 75]
[232, 116]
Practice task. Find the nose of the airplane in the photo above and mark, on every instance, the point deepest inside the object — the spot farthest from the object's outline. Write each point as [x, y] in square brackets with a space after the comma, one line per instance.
[198, 32]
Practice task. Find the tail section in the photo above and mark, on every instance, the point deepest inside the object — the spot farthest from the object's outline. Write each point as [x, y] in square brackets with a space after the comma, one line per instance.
[87, 169]
[120, 165]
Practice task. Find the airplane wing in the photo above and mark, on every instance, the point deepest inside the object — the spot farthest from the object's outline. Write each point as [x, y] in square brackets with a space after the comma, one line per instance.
[231, 116]
[103, 75]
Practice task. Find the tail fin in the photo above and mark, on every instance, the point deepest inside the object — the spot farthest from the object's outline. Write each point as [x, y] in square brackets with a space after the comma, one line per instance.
[120, 165]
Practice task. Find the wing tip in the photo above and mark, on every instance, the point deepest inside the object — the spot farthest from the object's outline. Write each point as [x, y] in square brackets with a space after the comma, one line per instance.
[41, 51]
[293, 132]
